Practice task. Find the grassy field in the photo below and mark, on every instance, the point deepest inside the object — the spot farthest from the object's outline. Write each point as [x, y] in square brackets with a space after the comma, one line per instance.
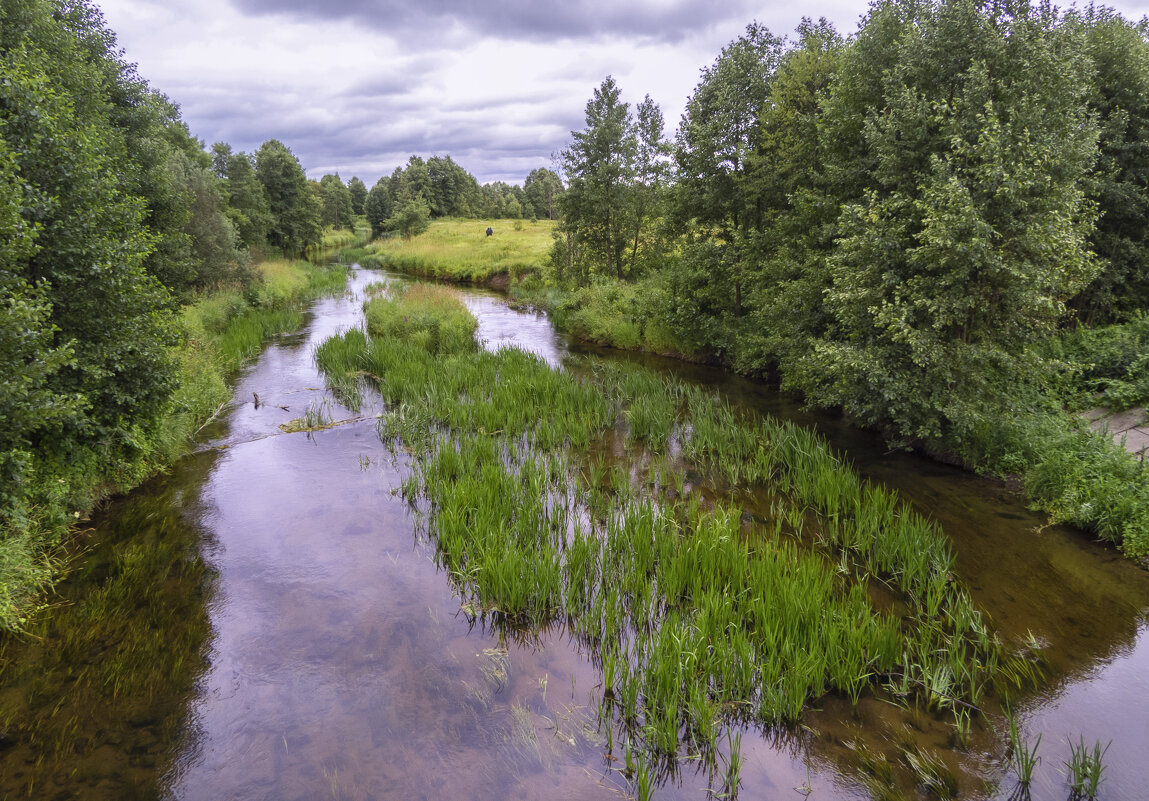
[460, 250]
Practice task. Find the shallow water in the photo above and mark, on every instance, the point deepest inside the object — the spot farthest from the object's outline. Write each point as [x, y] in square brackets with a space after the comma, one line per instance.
[311, 649]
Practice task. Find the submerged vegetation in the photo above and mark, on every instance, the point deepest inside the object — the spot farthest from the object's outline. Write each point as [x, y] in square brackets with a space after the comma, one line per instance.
[698, 613]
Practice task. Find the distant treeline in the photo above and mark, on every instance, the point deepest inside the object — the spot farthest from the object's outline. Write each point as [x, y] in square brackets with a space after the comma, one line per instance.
[406, 200]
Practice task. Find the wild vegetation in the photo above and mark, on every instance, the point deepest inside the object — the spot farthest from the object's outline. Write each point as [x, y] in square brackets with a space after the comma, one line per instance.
[697, 613]
[909, 224]
[459, 250]
[126, 277]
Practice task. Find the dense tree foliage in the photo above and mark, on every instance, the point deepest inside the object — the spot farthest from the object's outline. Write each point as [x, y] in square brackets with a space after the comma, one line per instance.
[1118, 97]
[336, 210]
[889, 221]
[295, 210]
[247, 205]
[85, 350]
[963, 224]
[378, 206]
[541, 192]
[358, 192]
[615, 170]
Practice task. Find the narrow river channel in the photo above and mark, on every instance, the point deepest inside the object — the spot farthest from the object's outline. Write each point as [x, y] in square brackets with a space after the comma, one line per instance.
[301, 643]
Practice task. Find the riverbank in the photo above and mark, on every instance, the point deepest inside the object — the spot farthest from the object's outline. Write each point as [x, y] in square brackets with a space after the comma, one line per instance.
[220, 331]
[1075, 475]
[267, 613]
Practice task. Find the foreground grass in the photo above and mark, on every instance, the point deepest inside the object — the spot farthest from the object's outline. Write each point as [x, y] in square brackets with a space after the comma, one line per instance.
[696, 616]
[221, 330]
[460, 250]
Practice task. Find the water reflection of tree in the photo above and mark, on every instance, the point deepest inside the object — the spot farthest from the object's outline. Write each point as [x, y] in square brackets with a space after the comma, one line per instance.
[97, 694]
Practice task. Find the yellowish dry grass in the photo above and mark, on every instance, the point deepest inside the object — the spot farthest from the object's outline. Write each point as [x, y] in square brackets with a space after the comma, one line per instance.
[460, 250]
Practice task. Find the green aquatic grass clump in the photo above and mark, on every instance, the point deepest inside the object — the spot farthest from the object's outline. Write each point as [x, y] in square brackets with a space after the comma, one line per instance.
[689, 615]
[431, 317]
[695, 615]
[1083, 478]
[460, 250]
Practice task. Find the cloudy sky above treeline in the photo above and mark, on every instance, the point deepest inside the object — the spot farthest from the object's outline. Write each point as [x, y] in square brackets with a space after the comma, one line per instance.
[358, 86]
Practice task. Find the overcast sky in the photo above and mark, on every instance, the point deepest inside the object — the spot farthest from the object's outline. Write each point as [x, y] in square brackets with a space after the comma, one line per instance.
[358, 86]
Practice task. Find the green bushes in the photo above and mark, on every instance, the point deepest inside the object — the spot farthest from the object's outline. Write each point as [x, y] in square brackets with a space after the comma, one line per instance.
[616, 314]
[218, 332]
[1109, 366]
[1084, 479]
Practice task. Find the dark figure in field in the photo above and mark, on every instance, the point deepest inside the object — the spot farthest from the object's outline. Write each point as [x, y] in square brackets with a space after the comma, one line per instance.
[490, 231]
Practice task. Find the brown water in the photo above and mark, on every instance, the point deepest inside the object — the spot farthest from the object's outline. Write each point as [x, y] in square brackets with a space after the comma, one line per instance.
[301, 643]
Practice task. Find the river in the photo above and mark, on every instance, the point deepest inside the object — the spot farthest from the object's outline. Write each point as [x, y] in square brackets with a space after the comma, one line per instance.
[300, 643]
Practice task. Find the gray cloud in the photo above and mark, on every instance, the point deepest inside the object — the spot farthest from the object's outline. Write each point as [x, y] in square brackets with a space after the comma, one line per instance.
[358, 86]
[654, 20]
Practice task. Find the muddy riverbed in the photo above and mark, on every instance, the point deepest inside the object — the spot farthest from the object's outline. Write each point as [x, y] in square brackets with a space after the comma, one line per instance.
[263, 622]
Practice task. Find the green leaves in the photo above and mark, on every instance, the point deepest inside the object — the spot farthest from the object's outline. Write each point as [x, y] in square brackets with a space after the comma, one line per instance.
[963, 226]
[295, 213]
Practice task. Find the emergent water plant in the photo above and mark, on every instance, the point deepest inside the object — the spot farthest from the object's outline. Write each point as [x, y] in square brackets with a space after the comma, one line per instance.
[698, 616]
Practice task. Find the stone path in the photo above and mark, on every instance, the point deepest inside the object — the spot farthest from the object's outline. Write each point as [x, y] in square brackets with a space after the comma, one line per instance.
[1132, 426]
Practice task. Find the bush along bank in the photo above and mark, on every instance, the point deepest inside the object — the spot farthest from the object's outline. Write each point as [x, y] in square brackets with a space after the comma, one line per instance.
[219, 331]
[1077, 476]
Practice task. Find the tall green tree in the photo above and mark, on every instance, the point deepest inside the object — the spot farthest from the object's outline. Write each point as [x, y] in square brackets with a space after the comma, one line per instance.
[379, 206]
[1119, 100]
[786, 181]
[541, 191]
[85, 347]
[651, 174]
[247, 205]
[358, 192]
[294, 212]
[594, 231]
[336, 199]
[451, 190]
[719, 132]
[714, 206]
[960, 138]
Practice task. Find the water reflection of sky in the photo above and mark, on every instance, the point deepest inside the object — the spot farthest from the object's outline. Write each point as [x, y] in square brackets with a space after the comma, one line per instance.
[341, 664]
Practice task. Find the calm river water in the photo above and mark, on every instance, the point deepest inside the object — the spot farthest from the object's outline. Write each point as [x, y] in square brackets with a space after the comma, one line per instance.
[302, 644]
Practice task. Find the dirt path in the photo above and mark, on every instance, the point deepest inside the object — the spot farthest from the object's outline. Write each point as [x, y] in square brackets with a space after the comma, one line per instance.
[1130, 427]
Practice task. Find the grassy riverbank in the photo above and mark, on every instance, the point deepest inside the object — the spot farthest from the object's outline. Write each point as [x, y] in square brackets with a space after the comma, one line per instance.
[611, 500]
[220, 330]
[1077, 476]
[460, 251]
